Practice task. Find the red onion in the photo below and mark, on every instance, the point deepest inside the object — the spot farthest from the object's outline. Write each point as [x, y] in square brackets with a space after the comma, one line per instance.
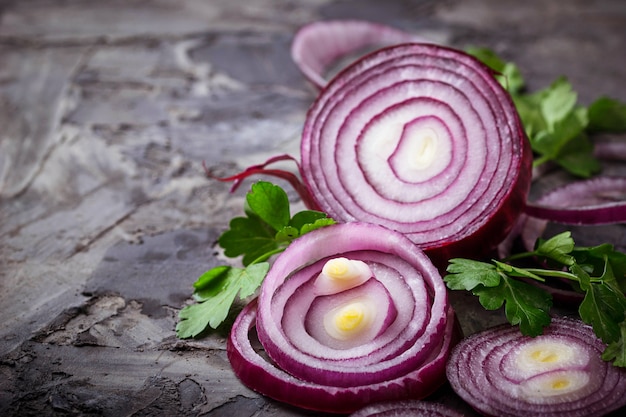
[317, 45]
[501, 373]
[419, 138]
[400, 355]
[407, 408]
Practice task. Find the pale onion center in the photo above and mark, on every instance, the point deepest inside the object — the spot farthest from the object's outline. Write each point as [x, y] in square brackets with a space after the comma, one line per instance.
[350, 320]
[340, 274]
[424, 148]
[542, 355]
[554, 383]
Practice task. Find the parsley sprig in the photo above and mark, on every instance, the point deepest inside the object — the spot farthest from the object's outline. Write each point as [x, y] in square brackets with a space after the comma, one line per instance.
[558, 126]
[266, 230]
[598, 272]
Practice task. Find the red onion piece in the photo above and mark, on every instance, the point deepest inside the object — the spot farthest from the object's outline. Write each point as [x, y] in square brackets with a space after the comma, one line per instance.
[404, 357]
[500, 372]
[422, 139]
[407, 408]
[317, 45]
[601, 200]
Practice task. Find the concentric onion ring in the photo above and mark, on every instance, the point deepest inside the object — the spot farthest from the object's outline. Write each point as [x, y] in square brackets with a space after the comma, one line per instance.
[422, 139]
[499, 372]
[404, 357]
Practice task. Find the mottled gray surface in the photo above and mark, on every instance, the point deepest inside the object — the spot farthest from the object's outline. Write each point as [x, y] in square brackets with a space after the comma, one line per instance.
[107, 110]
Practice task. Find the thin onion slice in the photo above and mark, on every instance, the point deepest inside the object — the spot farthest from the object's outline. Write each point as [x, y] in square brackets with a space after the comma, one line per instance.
[422, 139]
[402, 357]
[317, 45]
[500, 372]
[413, 408]
[601, 200]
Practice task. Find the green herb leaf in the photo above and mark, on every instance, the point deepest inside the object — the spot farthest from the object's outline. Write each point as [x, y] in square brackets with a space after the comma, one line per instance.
[556, 125]
[214, 306]
[510, 76]
[607, 115]
[616, 351]
[557, 248]
[270, 203]
[524, 304]
[466, 274]
[250, 237]
[558, 103]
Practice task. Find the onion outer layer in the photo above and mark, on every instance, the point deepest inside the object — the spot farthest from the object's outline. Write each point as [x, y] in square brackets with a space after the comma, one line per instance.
[411, 364]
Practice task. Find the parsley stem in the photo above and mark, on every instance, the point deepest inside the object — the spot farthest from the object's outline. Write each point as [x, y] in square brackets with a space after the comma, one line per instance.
[520, 255]
[268, 255]
[541, 160]
[556, 274]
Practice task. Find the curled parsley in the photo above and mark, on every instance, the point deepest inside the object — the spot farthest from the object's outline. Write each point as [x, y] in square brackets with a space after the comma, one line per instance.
[266, 230]
[558, 126]
[598, 272]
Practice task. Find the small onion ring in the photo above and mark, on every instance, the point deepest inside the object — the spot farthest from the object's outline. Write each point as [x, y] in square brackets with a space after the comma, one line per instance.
[354, 158]
[317, 45]
[405, 360]
[480, 371]
[600, 200]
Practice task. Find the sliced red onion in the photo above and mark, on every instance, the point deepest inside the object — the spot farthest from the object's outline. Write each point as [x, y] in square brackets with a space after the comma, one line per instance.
[317, 45]
[422, 139]
[401, 355]
[601, 200]
[412, 408]
[500, 372]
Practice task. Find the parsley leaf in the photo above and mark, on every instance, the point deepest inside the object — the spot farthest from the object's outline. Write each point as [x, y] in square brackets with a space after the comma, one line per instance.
[267, 229]
[466, 274]
[607, 115]
[616, 351]
[215, 292]
[508, 73]
[555, 123]
[524, 304]
[557, 248]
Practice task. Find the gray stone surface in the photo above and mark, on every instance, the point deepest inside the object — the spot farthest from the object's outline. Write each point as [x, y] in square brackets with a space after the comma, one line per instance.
[107, 111]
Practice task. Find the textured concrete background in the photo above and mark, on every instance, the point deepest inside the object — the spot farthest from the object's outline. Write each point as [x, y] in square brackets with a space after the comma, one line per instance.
[107, 110]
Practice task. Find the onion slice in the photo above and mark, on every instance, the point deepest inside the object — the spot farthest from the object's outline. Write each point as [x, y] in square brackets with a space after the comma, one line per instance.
[402, 357]
[500, 372]
[317, 45]
[601, 200]
[413, 408]
[422, 139]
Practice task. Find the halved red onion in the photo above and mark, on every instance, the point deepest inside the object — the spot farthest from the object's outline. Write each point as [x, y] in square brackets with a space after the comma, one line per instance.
[500, 372]
[601, 200]
[406, 408]
[402, 355]
[422, 139]
[317, 45]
